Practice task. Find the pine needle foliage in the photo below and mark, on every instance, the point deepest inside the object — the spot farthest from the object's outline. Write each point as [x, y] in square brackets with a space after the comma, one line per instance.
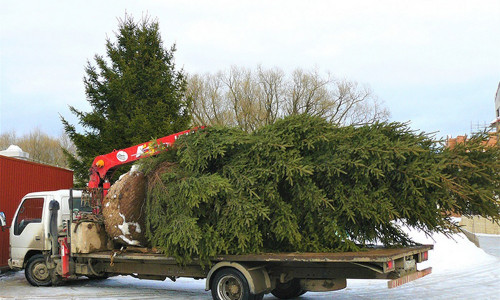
[303, 184]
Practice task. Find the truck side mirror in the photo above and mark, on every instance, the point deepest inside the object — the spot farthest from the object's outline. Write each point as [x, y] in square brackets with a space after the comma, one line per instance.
[3, 221]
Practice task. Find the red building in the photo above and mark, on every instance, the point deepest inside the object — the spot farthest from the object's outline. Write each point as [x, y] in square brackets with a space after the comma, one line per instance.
[19, 177]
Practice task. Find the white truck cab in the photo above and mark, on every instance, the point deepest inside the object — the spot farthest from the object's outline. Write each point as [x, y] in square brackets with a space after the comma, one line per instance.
[29, 231]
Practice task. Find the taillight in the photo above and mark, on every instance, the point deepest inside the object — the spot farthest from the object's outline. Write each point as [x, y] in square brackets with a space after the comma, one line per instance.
[390, 265]
[425, 256]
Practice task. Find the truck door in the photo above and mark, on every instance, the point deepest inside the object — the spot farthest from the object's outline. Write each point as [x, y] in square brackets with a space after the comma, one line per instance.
[27, 230]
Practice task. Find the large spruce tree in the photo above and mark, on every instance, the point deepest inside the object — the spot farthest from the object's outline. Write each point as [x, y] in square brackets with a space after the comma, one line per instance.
[135, 93]
[304, 184]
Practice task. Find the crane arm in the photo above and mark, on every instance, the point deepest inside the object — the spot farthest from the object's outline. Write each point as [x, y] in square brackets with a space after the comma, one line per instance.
[103, 164]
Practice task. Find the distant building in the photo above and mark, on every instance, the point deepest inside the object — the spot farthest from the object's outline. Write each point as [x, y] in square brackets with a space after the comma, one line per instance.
[475, 227]
[19, 176]
[496, 123]
[452, 142]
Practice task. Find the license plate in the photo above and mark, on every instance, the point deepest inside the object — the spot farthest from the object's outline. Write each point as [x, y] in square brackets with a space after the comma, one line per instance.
[407, 278]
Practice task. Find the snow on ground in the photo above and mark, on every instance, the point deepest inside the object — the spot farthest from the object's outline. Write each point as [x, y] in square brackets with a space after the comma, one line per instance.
[490, 243]
[460, 271]
[449, 254]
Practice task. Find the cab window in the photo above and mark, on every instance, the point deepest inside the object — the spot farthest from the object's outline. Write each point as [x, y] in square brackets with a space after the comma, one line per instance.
[79, 206]
[30, 212]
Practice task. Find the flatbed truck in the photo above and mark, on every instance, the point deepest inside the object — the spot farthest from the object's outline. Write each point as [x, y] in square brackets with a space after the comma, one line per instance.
[41, 244]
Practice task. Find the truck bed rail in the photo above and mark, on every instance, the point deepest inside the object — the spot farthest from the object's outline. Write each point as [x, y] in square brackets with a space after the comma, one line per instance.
[371, 255]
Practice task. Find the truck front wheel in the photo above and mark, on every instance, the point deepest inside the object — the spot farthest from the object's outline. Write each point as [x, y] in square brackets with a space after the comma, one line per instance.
[230, 284]
[36, 271]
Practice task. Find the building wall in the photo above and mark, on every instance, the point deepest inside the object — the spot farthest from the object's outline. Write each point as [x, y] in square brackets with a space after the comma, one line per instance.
[497, 101]
[478, 224]
[19, 177]
[497, 109]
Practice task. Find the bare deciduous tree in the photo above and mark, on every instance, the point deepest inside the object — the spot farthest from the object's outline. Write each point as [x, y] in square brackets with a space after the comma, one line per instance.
[7, 139]
[253, 98]
[272, 84]
[40, 146]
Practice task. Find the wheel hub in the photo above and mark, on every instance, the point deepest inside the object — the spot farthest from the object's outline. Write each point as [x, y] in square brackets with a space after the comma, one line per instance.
[230, 288]
[40, 272]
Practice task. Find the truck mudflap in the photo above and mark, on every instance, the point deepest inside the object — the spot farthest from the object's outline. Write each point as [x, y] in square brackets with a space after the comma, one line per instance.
[407, 278]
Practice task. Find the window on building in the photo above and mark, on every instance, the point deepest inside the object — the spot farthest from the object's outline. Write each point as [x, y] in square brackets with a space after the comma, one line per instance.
[30, 212]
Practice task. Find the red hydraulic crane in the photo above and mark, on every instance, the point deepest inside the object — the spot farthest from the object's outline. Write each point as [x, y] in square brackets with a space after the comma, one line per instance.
[103, 165]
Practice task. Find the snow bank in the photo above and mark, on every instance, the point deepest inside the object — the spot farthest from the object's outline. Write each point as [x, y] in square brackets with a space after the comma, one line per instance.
[452, 253]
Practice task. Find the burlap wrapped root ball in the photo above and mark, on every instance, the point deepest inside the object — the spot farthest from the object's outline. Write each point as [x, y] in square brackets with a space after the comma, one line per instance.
[123, 209]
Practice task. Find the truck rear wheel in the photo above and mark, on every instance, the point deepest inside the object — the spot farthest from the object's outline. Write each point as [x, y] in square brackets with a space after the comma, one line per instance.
[230, 284]
[36, 271]
[288, 290]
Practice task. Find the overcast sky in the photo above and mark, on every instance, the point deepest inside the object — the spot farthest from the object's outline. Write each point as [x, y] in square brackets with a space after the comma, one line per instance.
[434, 63]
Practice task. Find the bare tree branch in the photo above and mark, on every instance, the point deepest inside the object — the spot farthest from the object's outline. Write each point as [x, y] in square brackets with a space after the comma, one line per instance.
[254, 98]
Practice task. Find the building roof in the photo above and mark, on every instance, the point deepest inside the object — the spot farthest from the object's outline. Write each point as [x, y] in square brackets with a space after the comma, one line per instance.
[15, 151]
[452, 142]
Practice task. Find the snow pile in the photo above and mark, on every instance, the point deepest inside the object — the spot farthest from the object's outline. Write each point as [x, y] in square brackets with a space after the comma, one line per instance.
[451, 254]
[490, 243]
[460, 270]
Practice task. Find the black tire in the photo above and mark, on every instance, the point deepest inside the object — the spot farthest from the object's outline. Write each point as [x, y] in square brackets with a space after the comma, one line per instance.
[230, 284]
[288, 290]
[259, 296]
[36, 271]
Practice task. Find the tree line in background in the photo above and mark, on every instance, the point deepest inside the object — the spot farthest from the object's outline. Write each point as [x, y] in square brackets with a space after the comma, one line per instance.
[250, 99]
[40, 146]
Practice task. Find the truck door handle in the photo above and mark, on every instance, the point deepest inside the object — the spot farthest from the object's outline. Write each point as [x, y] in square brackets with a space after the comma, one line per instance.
[37, 237]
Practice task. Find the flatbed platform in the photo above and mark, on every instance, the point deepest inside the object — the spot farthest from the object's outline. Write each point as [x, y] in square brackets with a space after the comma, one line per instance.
[315, 271]
[371, 255]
